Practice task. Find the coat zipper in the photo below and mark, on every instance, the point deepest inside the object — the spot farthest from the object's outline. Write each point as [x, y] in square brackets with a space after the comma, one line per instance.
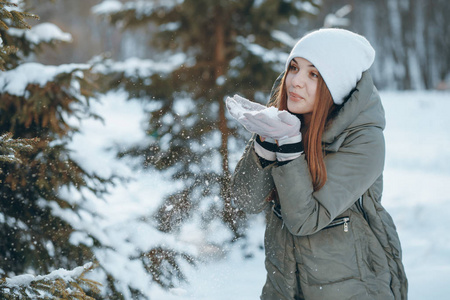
[340, 221]
[336, 222]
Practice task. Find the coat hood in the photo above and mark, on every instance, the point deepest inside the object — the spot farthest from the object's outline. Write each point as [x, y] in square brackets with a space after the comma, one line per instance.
[362, 109]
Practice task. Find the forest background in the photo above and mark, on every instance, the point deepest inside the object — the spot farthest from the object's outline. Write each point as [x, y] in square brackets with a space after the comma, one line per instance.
[168, 65]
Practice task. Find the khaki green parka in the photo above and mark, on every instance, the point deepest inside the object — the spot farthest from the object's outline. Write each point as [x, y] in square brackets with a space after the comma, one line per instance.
[338, 242]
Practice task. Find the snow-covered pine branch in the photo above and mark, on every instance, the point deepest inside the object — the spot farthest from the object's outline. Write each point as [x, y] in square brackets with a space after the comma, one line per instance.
[138, 9]
[338, 19]
[10, 146]
[284, 38]
[11, 17]
[47, 33]
[59, 284]
[138, 68]
[16, 81]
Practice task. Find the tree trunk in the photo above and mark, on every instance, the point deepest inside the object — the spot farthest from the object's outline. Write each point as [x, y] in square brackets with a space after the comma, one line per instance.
[219, 62]
[229, 215]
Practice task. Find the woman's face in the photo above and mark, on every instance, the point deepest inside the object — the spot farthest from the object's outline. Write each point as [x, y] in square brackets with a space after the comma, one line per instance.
[301, 86]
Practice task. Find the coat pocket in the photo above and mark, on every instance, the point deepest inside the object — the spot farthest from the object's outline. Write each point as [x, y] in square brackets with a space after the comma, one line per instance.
[330, 254]
[338, 222]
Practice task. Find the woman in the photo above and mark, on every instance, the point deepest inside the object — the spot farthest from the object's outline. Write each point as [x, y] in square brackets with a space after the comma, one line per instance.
[315, 164]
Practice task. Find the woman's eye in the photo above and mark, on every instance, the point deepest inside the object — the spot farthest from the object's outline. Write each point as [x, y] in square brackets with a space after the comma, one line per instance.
[293, 68]
[314, 75]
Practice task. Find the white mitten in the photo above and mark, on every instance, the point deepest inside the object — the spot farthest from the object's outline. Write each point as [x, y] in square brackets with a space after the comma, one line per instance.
[279, 131]
[238, 105]
[251, 115]
[271, 122]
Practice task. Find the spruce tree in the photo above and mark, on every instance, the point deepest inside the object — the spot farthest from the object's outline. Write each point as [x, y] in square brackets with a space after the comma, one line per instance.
[36, 103]
[225, 47]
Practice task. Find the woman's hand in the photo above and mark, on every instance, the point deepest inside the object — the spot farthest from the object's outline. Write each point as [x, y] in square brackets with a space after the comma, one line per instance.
[279, 135]
[238, 105]
[272, 123]
[268, 122]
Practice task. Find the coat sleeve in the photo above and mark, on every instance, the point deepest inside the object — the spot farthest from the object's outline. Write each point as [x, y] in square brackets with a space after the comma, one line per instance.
[251, 184]
[350, 171]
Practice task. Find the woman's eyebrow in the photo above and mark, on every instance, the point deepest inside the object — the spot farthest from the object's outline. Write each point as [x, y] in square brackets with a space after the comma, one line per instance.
[311, 65]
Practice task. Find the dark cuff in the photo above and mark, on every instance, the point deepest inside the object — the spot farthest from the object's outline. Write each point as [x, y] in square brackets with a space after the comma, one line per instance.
[291, 148]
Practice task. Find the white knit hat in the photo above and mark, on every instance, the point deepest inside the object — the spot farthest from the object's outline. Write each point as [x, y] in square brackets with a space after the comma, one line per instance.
[340, 56]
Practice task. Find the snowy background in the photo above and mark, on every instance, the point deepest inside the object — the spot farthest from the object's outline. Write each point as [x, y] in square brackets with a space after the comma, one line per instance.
[416, 193]
[121, 227]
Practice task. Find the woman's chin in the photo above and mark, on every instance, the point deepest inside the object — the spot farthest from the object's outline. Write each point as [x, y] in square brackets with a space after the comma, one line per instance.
[295, 109]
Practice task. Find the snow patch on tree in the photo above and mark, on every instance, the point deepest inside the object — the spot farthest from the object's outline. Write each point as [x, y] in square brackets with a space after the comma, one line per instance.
[15, 81]
[66, 275]
[141, 8]
[42, 33]
[284, 38]
[59, 284]
[275, 57]
[307, 7]
[140, 68]
[107, 7]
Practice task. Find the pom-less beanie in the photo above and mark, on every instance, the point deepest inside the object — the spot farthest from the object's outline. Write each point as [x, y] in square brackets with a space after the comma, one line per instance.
[339, 55]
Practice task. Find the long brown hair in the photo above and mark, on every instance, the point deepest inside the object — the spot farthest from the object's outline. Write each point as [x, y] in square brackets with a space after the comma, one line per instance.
[323, 110]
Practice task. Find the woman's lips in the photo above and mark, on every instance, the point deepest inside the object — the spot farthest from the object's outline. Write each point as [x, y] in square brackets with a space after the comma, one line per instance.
[295, 97]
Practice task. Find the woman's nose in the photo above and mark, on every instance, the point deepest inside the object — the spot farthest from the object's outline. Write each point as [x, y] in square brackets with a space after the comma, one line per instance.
[299, 79]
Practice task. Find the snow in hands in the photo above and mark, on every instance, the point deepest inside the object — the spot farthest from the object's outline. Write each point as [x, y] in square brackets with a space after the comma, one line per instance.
[265, 121]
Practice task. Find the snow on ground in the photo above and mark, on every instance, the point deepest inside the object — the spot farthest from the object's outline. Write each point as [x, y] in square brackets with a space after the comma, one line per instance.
[416, 193]
[417, 189]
